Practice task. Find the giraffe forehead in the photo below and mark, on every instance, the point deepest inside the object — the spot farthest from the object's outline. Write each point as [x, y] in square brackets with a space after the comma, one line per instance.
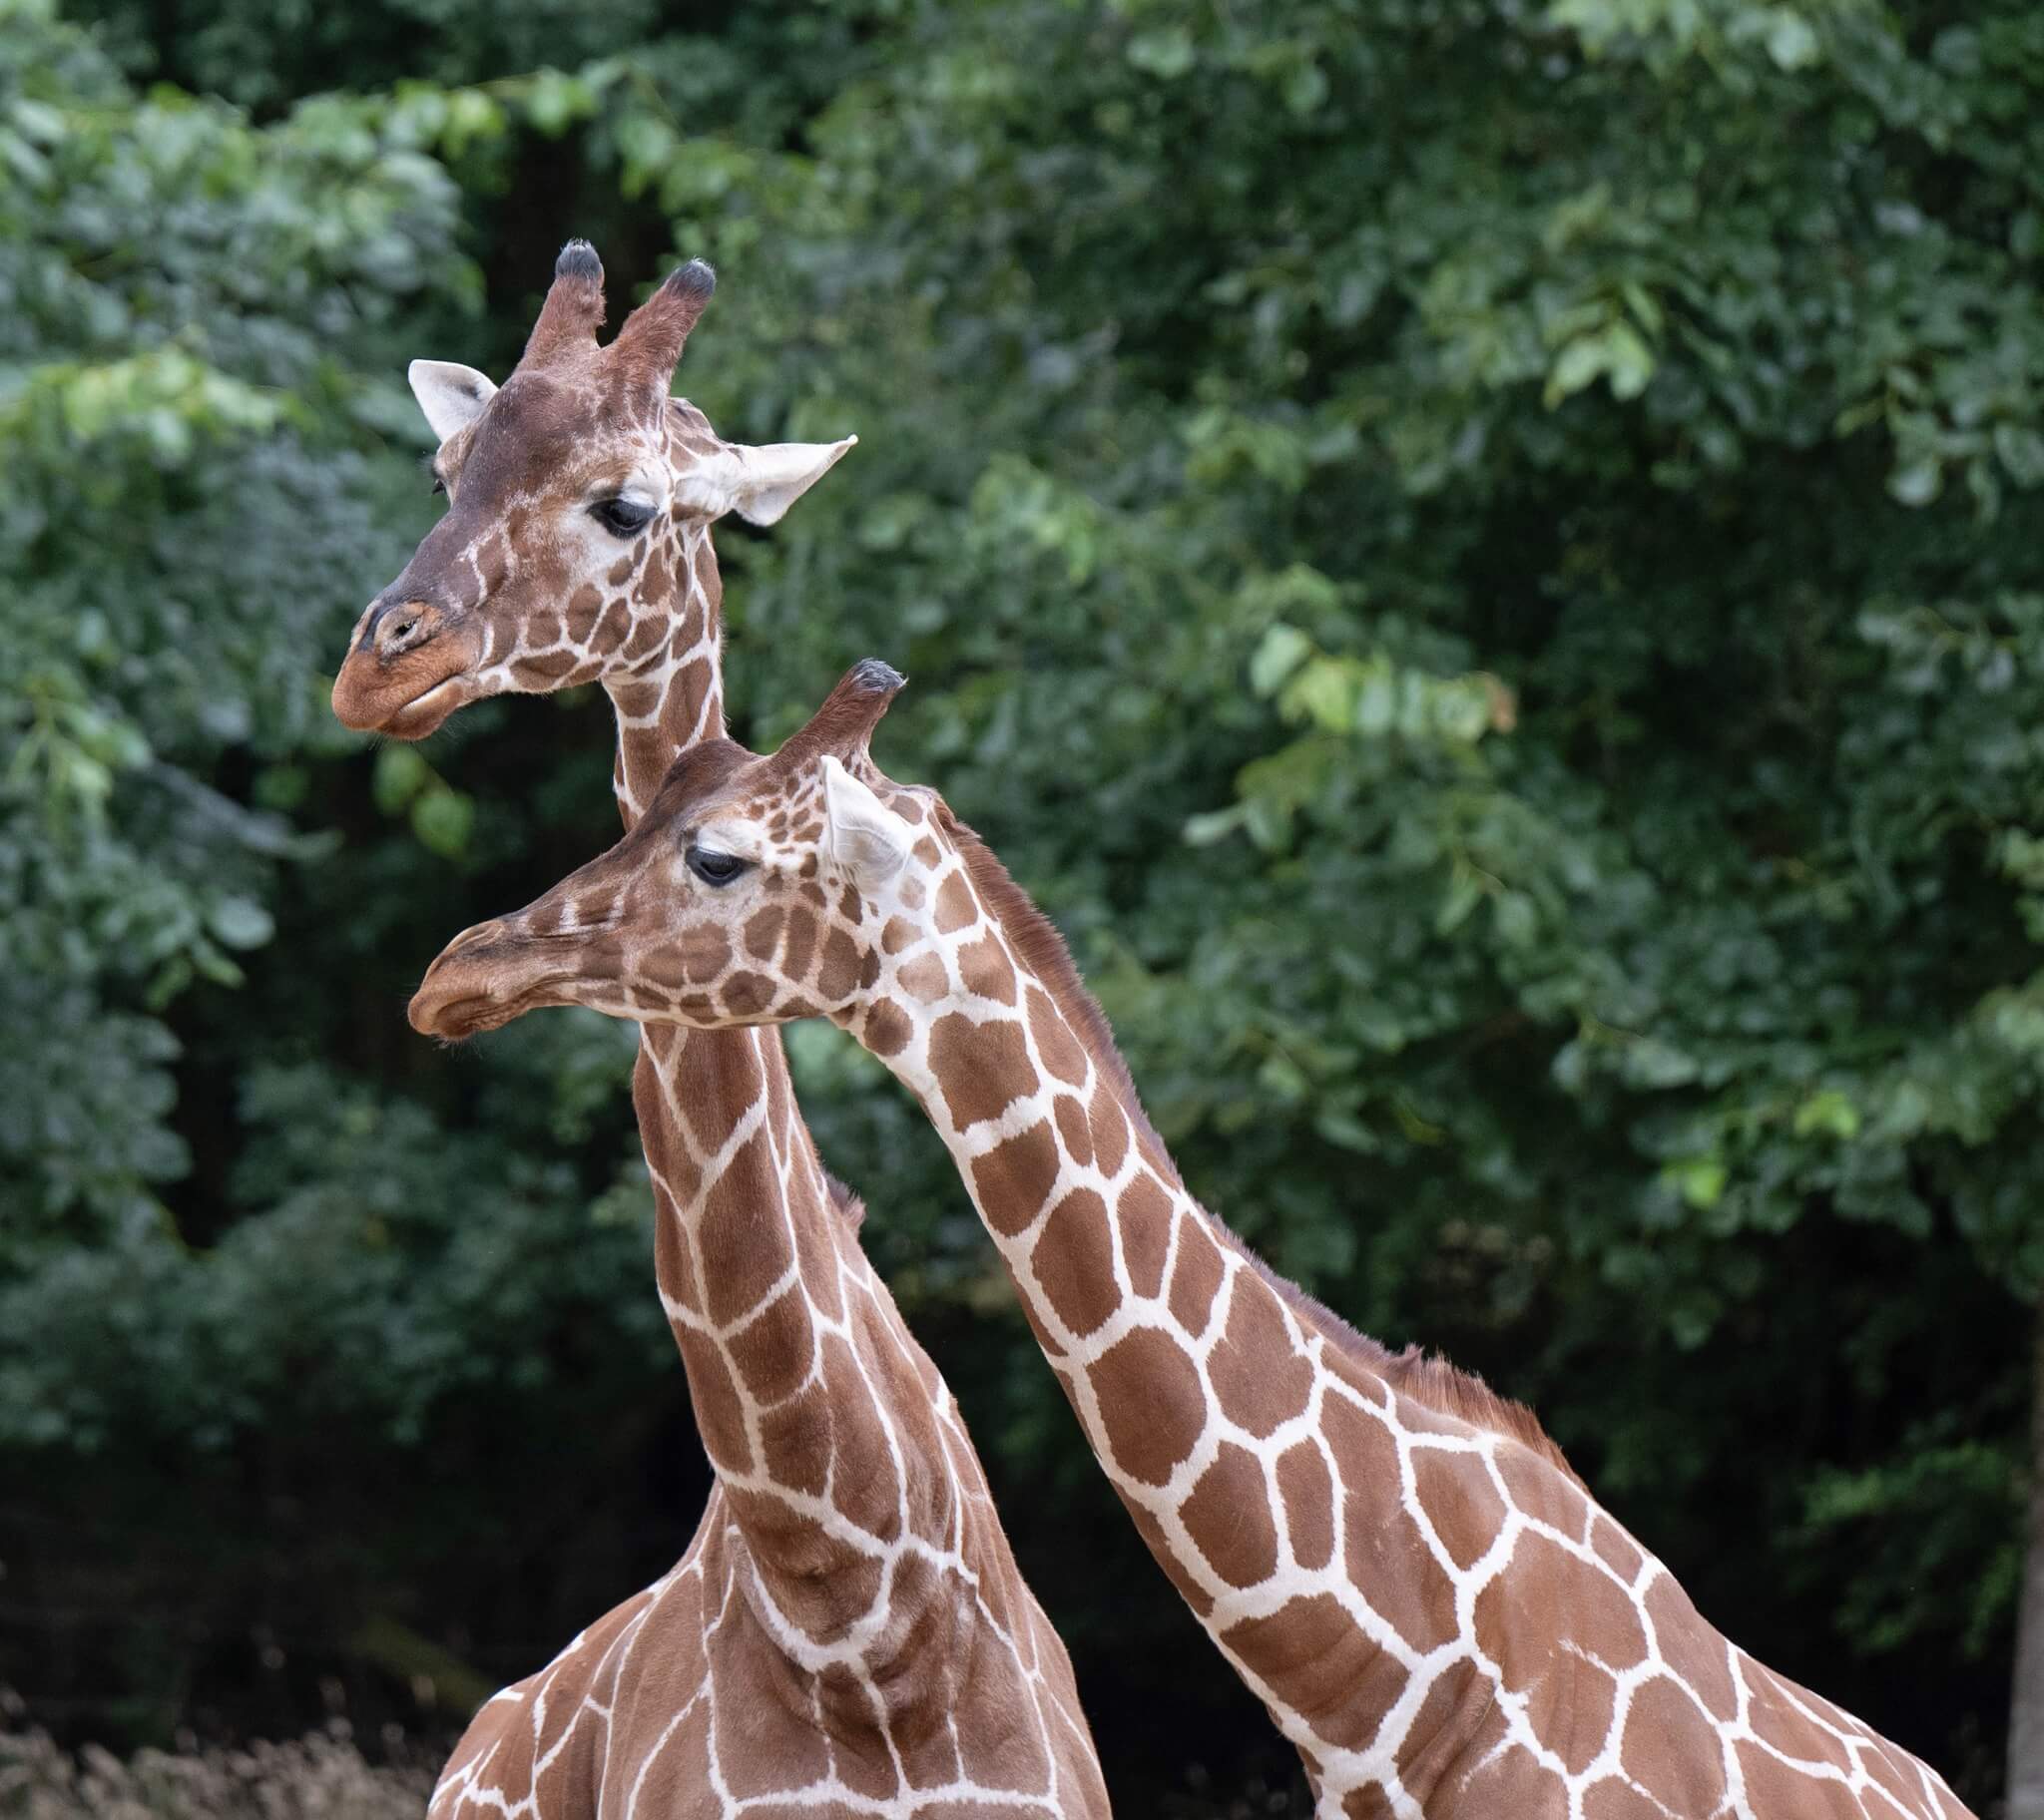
[540, 429]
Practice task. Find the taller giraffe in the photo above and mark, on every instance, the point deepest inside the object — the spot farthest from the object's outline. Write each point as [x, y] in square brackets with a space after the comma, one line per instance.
[1399, 1563]
[848, 1632]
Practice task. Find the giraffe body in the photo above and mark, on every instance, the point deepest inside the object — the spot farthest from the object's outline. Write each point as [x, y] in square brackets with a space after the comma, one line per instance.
[848, 1634]
[1399, 1563]
[684, 1703]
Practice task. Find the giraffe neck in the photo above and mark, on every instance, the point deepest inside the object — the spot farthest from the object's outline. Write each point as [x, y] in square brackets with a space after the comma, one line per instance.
[672, 697]
[1188, 1371]
[808, 1394]
[1429, 1604]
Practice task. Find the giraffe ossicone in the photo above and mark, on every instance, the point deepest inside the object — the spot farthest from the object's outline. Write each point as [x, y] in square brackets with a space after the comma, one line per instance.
[1431, 1605]
[848, 1632]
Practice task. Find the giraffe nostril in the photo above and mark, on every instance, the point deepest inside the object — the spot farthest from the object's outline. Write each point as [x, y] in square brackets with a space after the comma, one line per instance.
[400, 623]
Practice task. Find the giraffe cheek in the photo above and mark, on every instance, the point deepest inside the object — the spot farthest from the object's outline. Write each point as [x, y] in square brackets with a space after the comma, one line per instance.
[493, 565]
[746, 996]
[584, 610]
[838, 971]
[706, 953]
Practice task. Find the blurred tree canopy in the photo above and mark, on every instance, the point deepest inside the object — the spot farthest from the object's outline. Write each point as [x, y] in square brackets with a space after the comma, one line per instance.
[1486, 561]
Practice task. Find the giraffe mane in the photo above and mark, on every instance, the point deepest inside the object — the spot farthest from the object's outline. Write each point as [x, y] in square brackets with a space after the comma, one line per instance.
[849, 1205]
[1426, 1378]
[1041, 945]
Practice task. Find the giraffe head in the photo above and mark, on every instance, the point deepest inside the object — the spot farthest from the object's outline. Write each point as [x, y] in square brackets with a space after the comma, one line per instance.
[753, 891]
[579, 494]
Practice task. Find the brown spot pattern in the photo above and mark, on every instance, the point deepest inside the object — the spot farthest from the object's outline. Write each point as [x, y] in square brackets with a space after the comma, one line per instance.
[1688, 1646]
[924, 977]
[1074, 1261]
[762, 932]
[1229, 1517]
[1014, 1178]
[1670, 1751]
[1258, 1377]
[1343, 1680]
[1072, 1128]
[1145, 1213]
[1459, 1501]
[1195, 1278]
[1308, 1489]
[984, 969]
[1055, 1042]
[839, 971]
[955, 909]
[1110, 1133]
[887, 1029]
[799, 945]
[1151, 1403]
[980, 1068]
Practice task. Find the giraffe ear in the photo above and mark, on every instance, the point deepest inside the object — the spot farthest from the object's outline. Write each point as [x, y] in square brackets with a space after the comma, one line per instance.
[451, 395]
[760, 482]
[862, 836]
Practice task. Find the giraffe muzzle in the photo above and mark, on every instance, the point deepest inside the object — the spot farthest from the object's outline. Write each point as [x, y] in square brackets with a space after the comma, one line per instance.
[460, 995]
[411, 666]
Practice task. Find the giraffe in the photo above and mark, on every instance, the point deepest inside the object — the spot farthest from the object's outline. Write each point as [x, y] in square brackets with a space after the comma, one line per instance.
[1431, 1605]
[848, 1634]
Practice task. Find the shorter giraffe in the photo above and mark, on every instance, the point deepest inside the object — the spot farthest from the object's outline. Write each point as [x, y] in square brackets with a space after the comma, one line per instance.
[1400, 1563]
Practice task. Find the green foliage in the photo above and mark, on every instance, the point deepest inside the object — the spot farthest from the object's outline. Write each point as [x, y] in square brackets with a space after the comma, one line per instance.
[1483, 560]
[183, 523]
[222, 1240]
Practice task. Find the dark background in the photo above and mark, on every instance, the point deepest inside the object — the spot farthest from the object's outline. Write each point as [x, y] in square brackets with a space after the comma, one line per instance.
[1483, 562]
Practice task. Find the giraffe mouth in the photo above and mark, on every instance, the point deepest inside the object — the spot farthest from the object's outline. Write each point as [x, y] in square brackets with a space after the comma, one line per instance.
[429, 710]
[492, 975]
[472, 1013]
[412, 694]
[460, 1019]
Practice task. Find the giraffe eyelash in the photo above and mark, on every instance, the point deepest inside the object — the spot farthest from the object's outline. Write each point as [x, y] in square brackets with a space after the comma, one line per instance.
[715, 868]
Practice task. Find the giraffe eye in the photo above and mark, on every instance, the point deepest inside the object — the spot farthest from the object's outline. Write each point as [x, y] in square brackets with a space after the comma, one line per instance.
[621, 516]
[715, 868]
